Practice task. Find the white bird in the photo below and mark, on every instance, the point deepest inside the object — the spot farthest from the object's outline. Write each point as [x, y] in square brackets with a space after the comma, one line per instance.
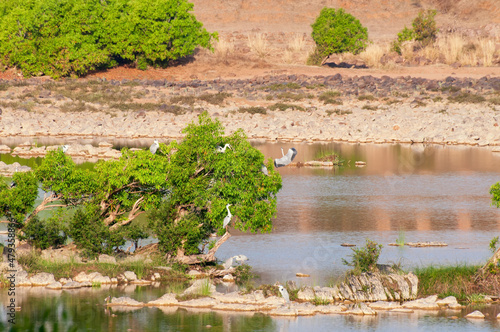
[65, 148]
[154, 146]
[286, 159]
[240, 259]
[221, 149]
[227, 219]
[263, 169]
[284, 293]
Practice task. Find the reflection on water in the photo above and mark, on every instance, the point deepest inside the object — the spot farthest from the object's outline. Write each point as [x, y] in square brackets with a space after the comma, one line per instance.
[425, 193]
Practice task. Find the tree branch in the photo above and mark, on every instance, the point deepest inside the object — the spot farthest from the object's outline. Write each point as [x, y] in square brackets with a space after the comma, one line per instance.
[196, 259]
[44, 205]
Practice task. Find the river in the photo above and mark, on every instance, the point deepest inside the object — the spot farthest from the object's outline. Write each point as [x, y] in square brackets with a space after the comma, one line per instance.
[411, 192]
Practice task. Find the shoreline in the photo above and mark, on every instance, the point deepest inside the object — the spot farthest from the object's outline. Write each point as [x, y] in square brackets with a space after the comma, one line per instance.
[283, 108]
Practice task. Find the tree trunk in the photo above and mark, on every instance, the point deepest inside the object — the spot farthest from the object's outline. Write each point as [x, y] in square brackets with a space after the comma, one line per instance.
[493, 260]
[196, 259]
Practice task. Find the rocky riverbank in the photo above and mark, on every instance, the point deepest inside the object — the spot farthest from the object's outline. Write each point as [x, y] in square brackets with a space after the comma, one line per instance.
[274, 107]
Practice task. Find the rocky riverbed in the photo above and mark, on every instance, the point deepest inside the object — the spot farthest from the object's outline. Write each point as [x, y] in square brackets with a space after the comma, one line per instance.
[274, 107]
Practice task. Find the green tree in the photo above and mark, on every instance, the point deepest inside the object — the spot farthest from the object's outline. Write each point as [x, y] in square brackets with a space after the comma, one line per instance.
[73, 37]
[18, 200]
[203, 181]
[336, 31]
[423, 30]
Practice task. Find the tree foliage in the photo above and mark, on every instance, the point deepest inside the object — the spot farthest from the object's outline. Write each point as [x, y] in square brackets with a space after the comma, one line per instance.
[185, 186]
[495, 194]
[365, 259]
[336, 31]
[423, 29]
[202, 181]
[73, 37]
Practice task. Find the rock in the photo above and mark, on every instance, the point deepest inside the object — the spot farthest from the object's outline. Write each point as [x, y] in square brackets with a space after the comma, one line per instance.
[447, 301]
[141, 282]
[65, 280]
[228, 278]
[402, 310]
[42, 279]
[106, 259]
[198, 286]
[383, 305]
[302, 275]
[166, 299]
[236, 307]
[475, 315]
[21, 278]
[54, 285]
[114, 280]
[102, 279]
[125, 301]
[130, 276]
[428, 303]
[205, 302]
[306, 294]
[283, 311]
[331, 309]
[72, 285]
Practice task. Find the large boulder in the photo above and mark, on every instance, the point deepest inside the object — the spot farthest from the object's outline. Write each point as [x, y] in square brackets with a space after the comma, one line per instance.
[42, 279]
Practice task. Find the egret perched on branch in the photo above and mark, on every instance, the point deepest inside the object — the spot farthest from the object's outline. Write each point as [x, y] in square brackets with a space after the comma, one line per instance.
[240, 259]
[227, 219]
[221, 149]
[286, 159]
[154, 146]
[284, 293]
[263, 169]
[65, 148]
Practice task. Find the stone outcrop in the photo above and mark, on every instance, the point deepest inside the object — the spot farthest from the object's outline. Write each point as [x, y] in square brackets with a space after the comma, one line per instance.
[42, 279]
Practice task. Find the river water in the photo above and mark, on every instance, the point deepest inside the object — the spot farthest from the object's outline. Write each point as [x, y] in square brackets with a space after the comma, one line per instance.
[411, 192]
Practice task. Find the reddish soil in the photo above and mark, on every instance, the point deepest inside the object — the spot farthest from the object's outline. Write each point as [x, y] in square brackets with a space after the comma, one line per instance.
[281, 20]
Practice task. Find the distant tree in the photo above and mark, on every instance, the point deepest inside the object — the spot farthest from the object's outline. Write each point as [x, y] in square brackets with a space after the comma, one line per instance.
[423, 29]
[336, 31]
[493, 264]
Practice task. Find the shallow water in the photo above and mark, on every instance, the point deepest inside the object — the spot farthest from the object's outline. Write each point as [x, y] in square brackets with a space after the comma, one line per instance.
[414, 192]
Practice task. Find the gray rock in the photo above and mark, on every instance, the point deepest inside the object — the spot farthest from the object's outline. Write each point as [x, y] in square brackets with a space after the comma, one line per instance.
[42, 279]
[475, 315]
[130, 276]
[306, 294]
[72, 285]
[198, 286]
[54, 285]
[205, 302]
[125, 301]
[166, 299]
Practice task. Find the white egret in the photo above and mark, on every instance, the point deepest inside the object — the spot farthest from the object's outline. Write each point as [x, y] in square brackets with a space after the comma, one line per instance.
[263, 169]
[284, 293]
[227, 219]
[286, 159]
[65, 148]
[221, 149]
[154, 146]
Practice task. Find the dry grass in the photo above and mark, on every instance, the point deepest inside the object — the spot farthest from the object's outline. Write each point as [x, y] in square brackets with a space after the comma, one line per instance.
[258, 44]
[487, 49]
[297, 43]
[372, 55]
[223, 48]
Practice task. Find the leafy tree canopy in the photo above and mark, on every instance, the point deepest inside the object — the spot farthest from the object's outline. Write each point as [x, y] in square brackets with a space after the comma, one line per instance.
[336, 31]
[186, 187]
[73, 37]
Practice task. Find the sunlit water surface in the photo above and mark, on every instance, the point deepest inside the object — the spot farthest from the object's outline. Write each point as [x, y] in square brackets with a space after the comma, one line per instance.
[411, 192]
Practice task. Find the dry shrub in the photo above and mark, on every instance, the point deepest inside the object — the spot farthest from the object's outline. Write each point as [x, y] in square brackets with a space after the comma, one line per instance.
[223, 48]
[487, 49]
[408, 50]
[431, 52]
[297, 43]
[451, 47]
[258, 44]
[288, 57]
[372, 55]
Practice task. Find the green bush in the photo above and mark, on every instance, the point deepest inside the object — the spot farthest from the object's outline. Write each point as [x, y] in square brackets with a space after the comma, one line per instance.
[424, 27]
[90, 234]
[73, 37]
[365, 259]
[336, 31]
[423, 30]
[45, 233]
